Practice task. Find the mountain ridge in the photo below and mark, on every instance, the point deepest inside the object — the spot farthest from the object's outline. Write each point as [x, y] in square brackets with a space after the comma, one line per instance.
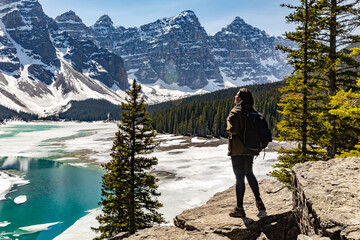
[215, 61]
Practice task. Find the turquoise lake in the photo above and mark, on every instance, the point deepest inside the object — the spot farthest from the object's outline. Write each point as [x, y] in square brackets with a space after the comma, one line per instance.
[57, 192]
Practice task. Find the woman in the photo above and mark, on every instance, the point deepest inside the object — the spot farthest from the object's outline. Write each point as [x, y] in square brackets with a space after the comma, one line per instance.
[241, 157]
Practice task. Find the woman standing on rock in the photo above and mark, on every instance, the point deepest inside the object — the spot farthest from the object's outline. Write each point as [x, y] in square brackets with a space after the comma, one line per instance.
[241, 157]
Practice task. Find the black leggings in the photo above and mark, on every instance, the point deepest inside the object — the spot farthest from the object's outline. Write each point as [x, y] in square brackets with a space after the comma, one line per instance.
[242, 166]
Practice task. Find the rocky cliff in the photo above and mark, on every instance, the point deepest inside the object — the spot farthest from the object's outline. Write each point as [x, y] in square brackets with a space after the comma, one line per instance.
[327, 198]
[324, 205]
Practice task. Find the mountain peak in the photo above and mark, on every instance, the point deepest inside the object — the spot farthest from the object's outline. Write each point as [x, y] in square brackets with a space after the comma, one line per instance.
[188, 12]
[238, 20]
[239, 26]
[104, 19]
[69, 15]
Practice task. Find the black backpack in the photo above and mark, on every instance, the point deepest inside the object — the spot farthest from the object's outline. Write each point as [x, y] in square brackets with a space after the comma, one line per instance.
[257, 134]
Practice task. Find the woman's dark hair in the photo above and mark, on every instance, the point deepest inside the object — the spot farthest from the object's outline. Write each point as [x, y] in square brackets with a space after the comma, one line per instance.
[246, 97]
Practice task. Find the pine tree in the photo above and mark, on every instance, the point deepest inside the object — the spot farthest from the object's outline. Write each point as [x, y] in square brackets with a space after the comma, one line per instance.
[300, 96]
[128, 190]
[345, 105]
[338, 19]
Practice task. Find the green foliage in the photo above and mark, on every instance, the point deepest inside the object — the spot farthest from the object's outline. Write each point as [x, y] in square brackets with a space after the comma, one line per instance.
[338, 19]
[317, 100]
[345, 105]
[128, 190]
[205, 115]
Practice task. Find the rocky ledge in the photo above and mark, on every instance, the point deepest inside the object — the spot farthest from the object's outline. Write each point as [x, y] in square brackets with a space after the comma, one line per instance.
[327, 198]
[277, 222]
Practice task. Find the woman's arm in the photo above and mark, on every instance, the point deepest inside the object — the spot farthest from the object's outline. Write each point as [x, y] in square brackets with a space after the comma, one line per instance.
[234, 122]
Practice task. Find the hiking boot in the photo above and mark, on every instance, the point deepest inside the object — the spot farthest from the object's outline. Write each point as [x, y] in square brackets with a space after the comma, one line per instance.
[260, 205]
[237, 212]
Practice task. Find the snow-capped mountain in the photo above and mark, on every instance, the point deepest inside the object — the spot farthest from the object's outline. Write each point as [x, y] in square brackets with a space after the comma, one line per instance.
[42, 68]
[172, 50]
[247, 55]
[177, 53]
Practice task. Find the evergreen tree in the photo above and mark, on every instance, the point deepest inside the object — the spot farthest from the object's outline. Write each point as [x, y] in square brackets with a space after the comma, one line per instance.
[345, 105]
[128, 190]
[300, 96]
[338, 19]
[322, 84]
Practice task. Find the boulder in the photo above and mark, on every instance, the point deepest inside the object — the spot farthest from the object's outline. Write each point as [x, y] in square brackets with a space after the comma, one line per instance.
[277, 222]
[327, 198]
[175, 233]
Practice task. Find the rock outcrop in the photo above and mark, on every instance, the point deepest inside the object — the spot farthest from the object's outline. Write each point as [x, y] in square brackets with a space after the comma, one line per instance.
[277, 222]
[327, 198]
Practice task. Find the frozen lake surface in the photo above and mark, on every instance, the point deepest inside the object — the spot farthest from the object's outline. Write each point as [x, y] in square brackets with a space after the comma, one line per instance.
[191, 170]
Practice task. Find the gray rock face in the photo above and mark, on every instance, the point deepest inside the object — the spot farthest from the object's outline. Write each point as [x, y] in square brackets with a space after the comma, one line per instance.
[8, 51]
[105, 33]
[73, 25]
[174, 50]
[247, 54]
[27, 25]
[277, 222]
[327, 198]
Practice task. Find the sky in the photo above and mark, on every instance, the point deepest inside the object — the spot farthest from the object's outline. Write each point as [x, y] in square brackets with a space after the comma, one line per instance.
[213, 14]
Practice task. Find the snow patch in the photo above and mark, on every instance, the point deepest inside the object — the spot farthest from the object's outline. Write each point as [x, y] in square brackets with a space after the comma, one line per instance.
[81, 228]
[34, 228]
[8, 181]
[20, 199]
[78, 164]
[4, 224]
[197, 140]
